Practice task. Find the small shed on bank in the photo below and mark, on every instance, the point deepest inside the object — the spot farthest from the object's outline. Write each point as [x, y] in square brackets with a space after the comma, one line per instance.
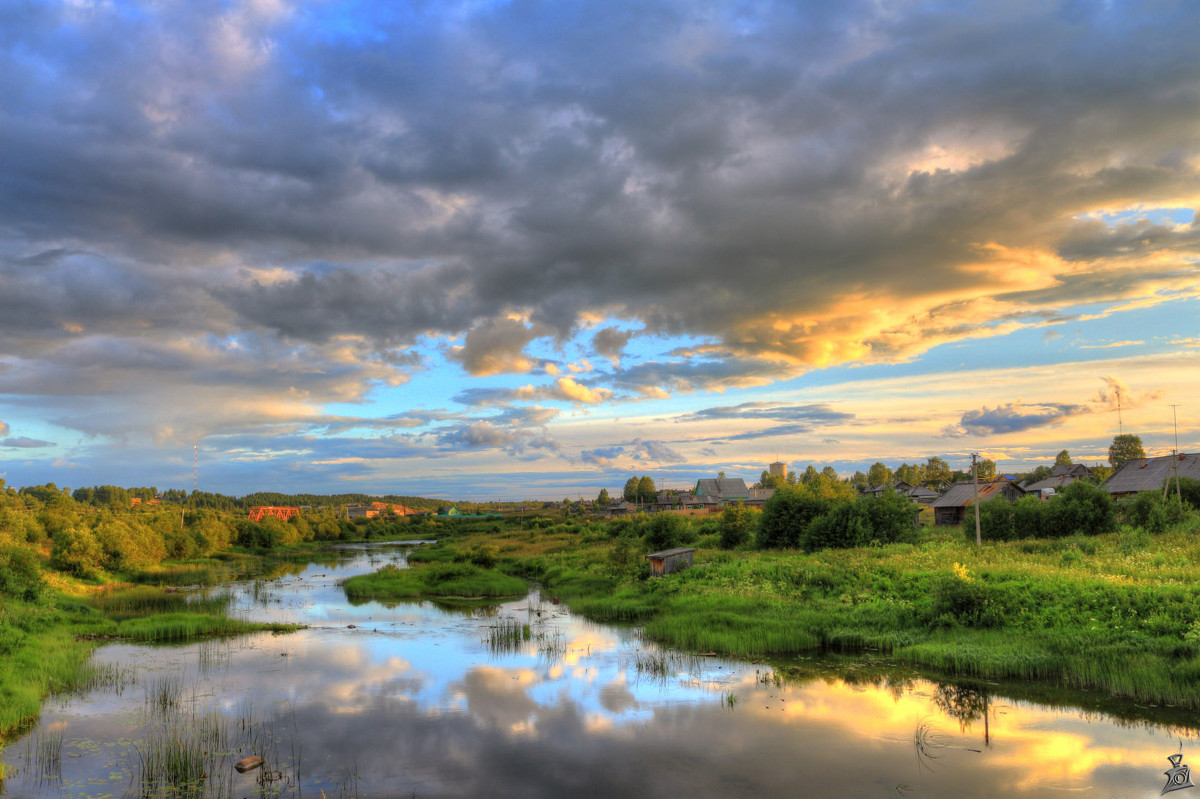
[670, 560]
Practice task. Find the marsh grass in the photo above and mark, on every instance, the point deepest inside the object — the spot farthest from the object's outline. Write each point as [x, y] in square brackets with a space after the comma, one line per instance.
[130, 602]
[185, 574]
[507, 636]
[434, 580]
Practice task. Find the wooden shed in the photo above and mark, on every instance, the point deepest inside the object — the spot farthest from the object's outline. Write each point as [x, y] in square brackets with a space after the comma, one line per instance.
[670, 560]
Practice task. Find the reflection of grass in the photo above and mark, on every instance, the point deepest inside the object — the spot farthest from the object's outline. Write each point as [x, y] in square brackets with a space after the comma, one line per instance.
[436, 579]
[507, 635]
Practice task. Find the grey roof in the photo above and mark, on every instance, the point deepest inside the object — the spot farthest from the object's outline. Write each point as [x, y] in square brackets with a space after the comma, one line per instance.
[1149, 474]
[670, 553]
[961, 494]
[1071, 470]
[1056, 482]
[722, 487]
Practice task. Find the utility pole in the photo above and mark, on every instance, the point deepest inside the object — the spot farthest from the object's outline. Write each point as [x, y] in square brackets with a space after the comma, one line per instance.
[195, 465]
[975, 477]
[1175, 458]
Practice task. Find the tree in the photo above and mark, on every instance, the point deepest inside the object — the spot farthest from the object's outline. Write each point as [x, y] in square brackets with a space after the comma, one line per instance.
[1125, 447]
[829, 472]
[1037, 475]
[645, 489]
[630, 494]
[736, 526]
[879, 474]
[602, 498]
[908, 473]
[936, 471]
[986, 469]
[810, 475]
[1062, 459]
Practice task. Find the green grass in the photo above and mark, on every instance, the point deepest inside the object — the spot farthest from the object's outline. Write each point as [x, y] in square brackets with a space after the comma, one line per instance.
[437, 579]
[1117, 614]
[46, 646]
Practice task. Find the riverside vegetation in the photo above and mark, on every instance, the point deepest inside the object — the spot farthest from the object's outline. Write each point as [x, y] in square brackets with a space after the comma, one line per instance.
[79, 568]
[1077, 591]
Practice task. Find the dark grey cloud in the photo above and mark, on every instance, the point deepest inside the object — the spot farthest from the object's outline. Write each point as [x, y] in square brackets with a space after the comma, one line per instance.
[815, 413]
[771, 432]
[222, 216]
[22, 442]
[638, 453]
[1015, 416]
[609, 342]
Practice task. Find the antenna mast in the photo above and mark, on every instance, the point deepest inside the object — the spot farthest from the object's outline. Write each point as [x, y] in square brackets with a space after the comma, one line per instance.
[1120, 426]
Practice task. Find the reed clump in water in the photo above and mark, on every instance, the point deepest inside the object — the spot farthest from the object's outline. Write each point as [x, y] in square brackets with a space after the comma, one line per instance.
[434, 580]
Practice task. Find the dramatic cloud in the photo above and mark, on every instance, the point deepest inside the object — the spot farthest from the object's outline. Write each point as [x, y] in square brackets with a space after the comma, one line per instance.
[243, 218]
[1015, 417]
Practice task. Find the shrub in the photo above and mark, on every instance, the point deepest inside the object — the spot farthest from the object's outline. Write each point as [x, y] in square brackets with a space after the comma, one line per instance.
[736, 527]
[666, 531]
[1079, 509]
[787, 515]
[996, 521]
[893, 518]
[966, 601]
[76, 551]
[20, 573]
[1149, 511]
[846, 525]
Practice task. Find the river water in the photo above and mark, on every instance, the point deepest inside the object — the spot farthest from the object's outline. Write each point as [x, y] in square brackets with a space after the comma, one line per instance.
[414, 700]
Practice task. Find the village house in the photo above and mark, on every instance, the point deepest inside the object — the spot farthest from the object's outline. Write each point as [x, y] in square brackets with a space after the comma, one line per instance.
[723, 490]
[1150, 474]
[1061, 476]
[951, 507]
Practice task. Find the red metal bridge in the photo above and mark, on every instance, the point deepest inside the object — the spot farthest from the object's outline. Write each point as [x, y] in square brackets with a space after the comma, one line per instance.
[260, 512]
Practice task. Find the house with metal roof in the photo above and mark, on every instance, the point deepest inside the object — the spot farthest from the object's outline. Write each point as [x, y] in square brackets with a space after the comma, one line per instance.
[1149, 474]
[951, 507]
[724, 490]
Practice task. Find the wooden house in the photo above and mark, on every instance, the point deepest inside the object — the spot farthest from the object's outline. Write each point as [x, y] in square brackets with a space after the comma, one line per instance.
[1150, 474]
[952, 506]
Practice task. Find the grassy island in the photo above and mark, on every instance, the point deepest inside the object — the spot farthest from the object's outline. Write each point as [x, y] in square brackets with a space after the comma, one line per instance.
[457, 580]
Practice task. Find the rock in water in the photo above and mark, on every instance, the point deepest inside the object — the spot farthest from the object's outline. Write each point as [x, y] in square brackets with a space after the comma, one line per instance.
[248, 764]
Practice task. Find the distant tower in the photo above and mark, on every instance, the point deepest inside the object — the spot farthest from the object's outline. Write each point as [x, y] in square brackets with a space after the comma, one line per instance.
[778, 469]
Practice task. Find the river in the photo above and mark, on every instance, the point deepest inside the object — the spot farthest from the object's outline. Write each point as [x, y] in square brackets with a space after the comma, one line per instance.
[416, 700]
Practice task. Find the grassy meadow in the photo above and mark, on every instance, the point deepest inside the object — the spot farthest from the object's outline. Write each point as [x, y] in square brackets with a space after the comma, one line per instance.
[1117, 613]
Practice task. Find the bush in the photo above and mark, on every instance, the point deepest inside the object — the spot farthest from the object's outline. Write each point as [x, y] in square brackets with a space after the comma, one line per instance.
[846, 525]
[893, 518]
[966, 602]
[995, 521]
[667, 531]
[20, 574]
[787, 515]
[1079, 509]
[76, 551]
[736, 527]
[1149, 511]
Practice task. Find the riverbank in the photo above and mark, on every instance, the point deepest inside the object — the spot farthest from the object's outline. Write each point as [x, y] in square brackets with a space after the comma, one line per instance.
[1116, 613]
[46, 643]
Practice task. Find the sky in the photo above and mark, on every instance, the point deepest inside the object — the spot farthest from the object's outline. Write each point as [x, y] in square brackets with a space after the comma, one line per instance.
[506, 250]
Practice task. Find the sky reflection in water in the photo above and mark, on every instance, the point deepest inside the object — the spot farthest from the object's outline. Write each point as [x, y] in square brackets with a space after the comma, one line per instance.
[412, 701]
